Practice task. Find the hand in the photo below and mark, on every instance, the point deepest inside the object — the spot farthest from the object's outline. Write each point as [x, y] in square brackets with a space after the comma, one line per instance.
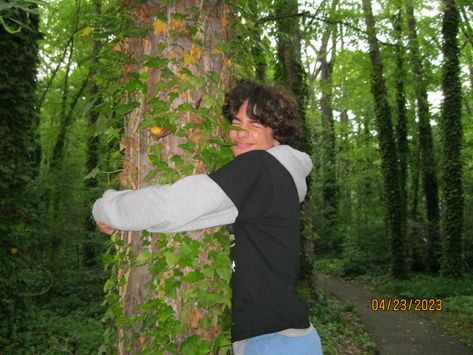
[104, 228]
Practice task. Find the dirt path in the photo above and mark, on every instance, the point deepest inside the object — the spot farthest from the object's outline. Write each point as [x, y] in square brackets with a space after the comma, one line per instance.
[396, 333]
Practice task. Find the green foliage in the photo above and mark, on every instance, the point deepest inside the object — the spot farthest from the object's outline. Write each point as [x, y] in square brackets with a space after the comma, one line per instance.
[423, 286]
[54, 234]
[339, 327]
[13, 12]
[45, 331]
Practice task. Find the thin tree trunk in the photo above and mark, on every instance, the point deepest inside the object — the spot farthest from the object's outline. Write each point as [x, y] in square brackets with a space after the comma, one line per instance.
[452, 131]
[257, 51]
[344, 164]
[426, 146]
[329, 181]
[387, 144]
[89, 246]
[401, 127]
[290, 70]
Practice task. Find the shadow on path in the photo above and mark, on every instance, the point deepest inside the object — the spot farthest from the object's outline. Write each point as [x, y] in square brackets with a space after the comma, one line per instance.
[395, 333]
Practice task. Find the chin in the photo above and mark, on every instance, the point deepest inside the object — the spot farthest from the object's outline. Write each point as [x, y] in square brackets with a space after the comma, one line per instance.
[238, 151]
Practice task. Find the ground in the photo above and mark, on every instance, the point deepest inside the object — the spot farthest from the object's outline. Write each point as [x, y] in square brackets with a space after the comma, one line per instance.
[394, 332]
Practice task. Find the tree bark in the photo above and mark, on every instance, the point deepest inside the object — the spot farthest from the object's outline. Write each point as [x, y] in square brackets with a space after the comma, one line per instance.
[290, 71]
[177, 77]
[387, 145]
[452, 132]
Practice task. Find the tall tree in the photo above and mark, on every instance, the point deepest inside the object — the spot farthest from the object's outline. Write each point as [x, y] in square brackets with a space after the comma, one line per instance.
[452, 132]
[291, 71]
[329, 206]
[401, 127]
[173, 288]
[257, 51]
[426, 145]
[89, 246]
[19, 152]
[387, 145]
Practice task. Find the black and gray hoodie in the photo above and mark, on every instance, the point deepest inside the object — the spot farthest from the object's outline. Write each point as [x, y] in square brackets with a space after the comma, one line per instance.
[259, 193]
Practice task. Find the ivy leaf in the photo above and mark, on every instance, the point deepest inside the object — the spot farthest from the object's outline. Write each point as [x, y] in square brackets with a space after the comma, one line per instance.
[189, 146]
[156, 62]
[190, 345]
[92, 174]
[124, 109]
[143, 257]
[171, 259]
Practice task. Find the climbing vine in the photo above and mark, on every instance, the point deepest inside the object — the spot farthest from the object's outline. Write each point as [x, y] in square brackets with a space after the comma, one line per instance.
[169, 293]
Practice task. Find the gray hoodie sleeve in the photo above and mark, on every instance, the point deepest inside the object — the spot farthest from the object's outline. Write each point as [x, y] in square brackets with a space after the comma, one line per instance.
[194, 202]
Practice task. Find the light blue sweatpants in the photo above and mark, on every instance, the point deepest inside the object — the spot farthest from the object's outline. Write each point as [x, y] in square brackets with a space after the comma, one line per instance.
[278, 344]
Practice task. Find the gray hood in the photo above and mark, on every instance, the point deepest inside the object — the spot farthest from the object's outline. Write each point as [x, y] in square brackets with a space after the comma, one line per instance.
[297, 163]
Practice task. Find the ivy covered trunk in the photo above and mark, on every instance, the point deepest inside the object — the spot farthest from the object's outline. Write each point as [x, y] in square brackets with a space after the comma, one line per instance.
[387, 145]
[19, 154]
[330, 191]
[426, 146]
[452, 132]
[401, 127]
[290, 70]
[173, 288]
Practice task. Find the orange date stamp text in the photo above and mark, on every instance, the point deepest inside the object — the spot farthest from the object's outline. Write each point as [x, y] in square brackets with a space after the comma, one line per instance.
[406, 304]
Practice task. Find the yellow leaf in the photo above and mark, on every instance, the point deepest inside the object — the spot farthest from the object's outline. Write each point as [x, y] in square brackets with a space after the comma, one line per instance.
[160, 27]
[217, 51]
[175, 23]
[13, 251]
[159, 132]
[182, 76]
[196, 52]
[87, 31]
[189, 59]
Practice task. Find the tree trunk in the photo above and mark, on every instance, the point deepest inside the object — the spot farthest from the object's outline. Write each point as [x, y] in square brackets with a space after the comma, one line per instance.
[290, 70]
[328, 141]
[401, 127]
[257, 51]
[452, 131]
[387, 145]
[174, 287]
[19, 156]
[89, 247]
[468, 37]
[426, 146]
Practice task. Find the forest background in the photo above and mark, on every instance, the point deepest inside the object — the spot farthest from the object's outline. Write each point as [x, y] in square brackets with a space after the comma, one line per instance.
[98, 94]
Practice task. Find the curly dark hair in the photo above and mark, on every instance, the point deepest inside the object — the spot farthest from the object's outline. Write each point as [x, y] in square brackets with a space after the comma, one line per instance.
[272, 106]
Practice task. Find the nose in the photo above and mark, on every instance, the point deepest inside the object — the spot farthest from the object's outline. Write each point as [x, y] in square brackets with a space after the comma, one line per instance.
[243, 132]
